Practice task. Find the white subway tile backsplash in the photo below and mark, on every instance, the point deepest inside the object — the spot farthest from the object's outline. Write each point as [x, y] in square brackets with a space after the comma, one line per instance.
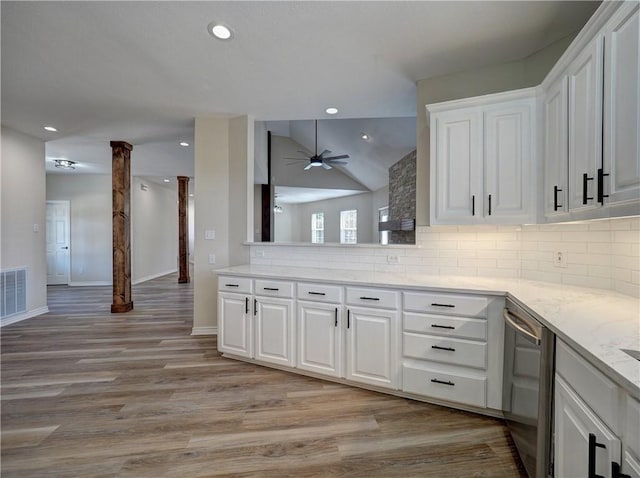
[603, 254]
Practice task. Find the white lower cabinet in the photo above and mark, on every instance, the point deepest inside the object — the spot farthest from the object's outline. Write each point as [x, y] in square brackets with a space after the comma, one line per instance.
[596, 423]
[584, 445]
[274, 330]
[235, 334]
[452, 348]
[371, 346]
[319, 343]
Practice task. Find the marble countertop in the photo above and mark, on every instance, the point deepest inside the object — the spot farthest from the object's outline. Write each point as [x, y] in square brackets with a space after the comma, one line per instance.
[597, 323]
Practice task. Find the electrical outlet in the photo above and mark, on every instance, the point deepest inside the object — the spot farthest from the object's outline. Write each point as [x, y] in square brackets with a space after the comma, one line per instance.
[560, 259]
[212, 258]
[259, 253]
[392, 259]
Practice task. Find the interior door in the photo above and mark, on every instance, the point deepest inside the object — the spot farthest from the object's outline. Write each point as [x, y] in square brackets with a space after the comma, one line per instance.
[58, 242]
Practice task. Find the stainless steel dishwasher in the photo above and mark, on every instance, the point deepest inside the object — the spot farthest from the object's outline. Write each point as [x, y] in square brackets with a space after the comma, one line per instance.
[527, 402]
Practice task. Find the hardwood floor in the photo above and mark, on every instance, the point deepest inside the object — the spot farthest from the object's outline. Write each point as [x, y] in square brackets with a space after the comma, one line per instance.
[90, 394]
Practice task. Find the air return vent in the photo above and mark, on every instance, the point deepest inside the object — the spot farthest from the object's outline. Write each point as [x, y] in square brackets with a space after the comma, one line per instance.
[13, 292]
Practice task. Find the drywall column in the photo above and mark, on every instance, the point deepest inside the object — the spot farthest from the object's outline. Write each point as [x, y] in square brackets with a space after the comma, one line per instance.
[183, 230]
[121, 210]
[222, 148]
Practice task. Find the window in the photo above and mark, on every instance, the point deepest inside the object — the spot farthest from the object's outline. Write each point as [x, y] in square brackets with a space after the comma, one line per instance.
[349, 227]
[383, 216]
[317, 227]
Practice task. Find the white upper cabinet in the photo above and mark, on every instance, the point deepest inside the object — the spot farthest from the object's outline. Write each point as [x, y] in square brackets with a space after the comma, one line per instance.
[556, 153]
[458, 166]
[592, 120]
[481, 159]
[585, 126]
[507, 160]
[622, 106]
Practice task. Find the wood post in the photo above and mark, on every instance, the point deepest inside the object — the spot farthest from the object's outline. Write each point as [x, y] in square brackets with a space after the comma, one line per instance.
[121, 187]
[183, 229]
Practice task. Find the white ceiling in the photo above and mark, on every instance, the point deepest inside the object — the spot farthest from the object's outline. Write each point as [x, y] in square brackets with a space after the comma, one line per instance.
[141, 71]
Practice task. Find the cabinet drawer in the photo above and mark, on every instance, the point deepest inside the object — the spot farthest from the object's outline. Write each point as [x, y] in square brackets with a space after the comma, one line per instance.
[274, 288]
[450, 304]
[320, 292]
[373, 297]
[600, 393]
[445, 350]
[441, 325]
[447, 386]
[235, 284]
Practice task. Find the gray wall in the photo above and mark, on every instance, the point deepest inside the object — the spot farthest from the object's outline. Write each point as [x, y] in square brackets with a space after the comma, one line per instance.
[22, 202]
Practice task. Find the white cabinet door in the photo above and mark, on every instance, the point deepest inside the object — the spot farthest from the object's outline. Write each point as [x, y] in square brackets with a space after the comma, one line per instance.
[622, 105]
[556, 155]
[319, 342]
[574, 423]
[508, 129]
[274, 330]
[235, 332]
[585, 126]
[372, 346]
[457, 148]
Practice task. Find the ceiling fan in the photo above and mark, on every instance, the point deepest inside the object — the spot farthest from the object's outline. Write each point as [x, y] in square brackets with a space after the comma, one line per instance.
[320, 160]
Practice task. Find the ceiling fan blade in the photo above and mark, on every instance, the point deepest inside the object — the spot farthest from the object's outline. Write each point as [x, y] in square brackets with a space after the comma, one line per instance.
[304, 153]
[341, 156]
[326, 151]
[326, 166]
[338, 162]
[298, 159]
[308, 166]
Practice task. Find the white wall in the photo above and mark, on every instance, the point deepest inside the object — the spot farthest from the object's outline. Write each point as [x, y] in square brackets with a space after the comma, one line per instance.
[154, 227]
[22, 205]
[91, 232]
[154, 230]
[225, 184]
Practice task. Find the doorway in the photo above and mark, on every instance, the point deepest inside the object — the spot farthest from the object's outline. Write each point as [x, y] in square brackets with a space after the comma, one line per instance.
[58, 242]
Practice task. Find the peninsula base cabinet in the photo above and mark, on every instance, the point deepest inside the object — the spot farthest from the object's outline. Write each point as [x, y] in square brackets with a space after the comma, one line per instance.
[596, 423]
[437, 347]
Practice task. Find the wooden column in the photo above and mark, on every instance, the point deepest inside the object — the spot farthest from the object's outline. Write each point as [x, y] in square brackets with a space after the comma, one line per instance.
[121, 187]
[183, 229]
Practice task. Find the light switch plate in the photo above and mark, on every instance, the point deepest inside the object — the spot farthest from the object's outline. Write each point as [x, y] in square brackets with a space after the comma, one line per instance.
[209, 234]
[212, 258]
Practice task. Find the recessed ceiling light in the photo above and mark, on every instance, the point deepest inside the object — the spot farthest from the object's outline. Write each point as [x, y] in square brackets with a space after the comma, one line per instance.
[220, 31]
[331, 110]
[167, 180]
[184, 143]
[64, 164]
[50, 128]
[364, 136]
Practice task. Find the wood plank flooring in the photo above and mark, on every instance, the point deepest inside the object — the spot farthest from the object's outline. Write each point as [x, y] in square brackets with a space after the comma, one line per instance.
[90, 394]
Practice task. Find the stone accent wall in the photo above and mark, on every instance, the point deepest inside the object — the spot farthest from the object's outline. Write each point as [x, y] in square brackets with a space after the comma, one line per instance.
[402, 197]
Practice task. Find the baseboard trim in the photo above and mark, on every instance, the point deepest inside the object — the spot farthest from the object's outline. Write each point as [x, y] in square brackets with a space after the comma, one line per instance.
[89, 283]
[154, 276]
[204, 331]
[25, 315]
